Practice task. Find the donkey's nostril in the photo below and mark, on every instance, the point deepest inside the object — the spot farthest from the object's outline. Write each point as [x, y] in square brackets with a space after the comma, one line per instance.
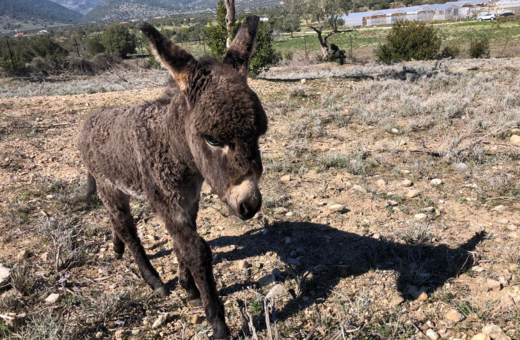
[243, 209]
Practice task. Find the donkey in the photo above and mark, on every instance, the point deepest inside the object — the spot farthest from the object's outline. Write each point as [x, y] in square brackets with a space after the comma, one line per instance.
[205, 128]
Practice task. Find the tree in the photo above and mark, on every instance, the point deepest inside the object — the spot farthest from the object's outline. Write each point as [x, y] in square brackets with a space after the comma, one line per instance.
[320, 15]
[230, 20]
[265, 53]
[94, 46]
[217, 32]
[118, 40]
[288, 23]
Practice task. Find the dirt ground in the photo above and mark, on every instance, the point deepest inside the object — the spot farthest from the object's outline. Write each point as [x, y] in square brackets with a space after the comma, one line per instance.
[390, 212]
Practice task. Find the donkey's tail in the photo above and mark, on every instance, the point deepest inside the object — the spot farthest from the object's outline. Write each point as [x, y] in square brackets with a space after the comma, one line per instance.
[91, 187]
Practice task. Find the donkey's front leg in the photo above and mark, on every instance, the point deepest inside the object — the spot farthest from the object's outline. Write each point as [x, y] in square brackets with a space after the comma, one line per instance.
[194, 253]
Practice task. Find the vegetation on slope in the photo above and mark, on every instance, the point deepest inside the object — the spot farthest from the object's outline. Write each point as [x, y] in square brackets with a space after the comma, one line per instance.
[37, 9]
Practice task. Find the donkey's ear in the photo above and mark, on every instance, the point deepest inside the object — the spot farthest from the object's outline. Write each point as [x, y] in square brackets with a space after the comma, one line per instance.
[241, 49]
[180, 63]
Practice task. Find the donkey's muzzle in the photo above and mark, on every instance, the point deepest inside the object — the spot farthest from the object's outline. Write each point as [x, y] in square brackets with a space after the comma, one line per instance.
[245, 199]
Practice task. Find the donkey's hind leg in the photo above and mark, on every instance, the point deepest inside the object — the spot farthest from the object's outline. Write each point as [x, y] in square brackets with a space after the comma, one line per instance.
[125, 234]
[188, 283]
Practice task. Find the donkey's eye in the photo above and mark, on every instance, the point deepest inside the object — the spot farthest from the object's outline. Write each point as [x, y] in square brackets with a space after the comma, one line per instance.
[212, 141]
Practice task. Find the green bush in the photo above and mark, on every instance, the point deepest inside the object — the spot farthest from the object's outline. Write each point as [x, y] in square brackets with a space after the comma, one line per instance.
[288, 55]
[265, 54]
[13, 67]
[47, 48]
[119, 41]
[94, 46]
[449, 52]
[217, 32]
[409, 40]
[479, 48]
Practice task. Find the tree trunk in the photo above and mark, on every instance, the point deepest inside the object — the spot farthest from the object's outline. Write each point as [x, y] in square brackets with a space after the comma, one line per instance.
[230, 19]
[323, 45]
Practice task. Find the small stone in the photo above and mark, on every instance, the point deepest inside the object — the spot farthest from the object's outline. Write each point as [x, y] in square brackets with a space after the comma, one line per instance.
[477, 269]
[394, 131]
[493, 284]
[294, 262]
[412, 194]
[281, 211]
[499, 208]
[430, 333]
[277, 291]
[406, 172]
[293, 254]
[454, 316]
[196, 320]
[266, 280]
[120, 334]
[512, 227]
[320, 268]
[53, 298]
[288, 240]
[381, 183]
[406, 183]
[495, 332]
[503, 281]
[4, 274]
[276, 272]
[243, 264]
[428, 209]
[160, 320]
[300, 251]
[99, 335]
[336, 208]
[503, 221]
[420, 216]
[397, 301]
[24, 254]
[359, 188]
[436, 182]
[289, 214]
[422, 296]
[392, 203]
[303, 81]
[286, 178]
[481, 336]
[515, 139]
[45, 257]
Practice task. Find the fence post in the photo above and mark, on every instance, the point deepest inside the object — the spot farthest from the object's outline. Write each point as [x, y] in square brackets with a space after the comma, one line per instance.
[10, 54]
[305, 42]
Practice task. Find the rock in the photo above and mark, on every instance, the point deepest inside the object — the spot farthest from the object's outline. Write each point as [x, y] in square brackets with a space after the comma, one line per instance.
[300, 251]
[421, 296]
[196, 320]
[276, 272]
[320, 268]
[512, 227]
[394, 131]
[286, 178]
[493, 284]
[481, 336]
[381, 183]
[24, 254]
[289, 214]
[397, 301]
[495, 332]
[406, 172]
[277, 291]
[163, 318]
[266, 280]
[499, 208]
[303, 81]
[503, 281]
[428, 209]
[503, 221]
[420, 216]
[293, 254]
[436, 182]
[294, 262]
[412, 194]
[392, 203]
[4, 274]
[99, 335]
[359, 188]
[243, 264]
[53, 298]
[406, 183]
[336, 208]
[430, 333]
[45, 257]
[281, 211]
[288, 240]
[454, 316]
[515, 139]
[120, 334]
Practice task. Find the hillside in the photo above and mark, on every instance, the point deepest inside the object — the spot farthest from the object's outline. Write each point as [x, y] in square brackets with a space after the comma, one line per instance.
[116, 10]
[81, 6]
[36, 10]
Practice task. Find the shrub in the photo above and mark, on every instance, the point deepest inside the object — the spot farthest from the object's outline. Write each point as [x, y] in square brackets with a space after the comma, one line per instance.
[94, 46]
[104, 62]
[47, 48]
[13, 67]
[409, 40]
[479, 48]
[449, 52]
[217, 32]
[288, 55]
[119, 41]
[81, 66]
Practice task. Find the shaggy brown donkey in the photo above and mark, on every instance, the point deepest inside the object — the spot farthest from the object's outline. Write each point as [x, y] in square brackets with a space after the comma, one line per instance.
[206, 128]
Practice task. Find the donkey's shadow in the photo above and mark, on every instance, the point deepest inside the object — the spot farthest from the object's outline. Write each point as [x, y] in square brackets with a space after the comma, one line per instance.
[331, 253]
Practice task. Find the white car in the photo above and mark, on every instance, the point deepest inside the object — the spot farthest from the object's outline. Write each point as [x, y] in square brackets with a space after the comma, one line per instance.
[486, 17]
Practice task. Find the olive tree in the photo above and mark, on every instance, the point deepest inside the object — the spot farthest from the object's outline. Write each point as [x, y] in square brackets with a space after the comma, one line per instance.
[321, 16]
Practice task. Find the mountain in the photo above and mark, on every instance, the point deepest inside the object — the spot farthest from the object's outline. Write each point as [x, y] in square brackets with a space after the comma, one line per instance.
[36, 10]
[81, 6]
[119, 10]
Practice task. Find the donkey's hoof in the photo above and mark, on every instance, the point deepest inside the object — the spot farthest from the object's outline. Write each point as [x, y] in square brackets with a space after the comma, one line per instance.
[118, 256]
[162, 291]
[195, 303]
